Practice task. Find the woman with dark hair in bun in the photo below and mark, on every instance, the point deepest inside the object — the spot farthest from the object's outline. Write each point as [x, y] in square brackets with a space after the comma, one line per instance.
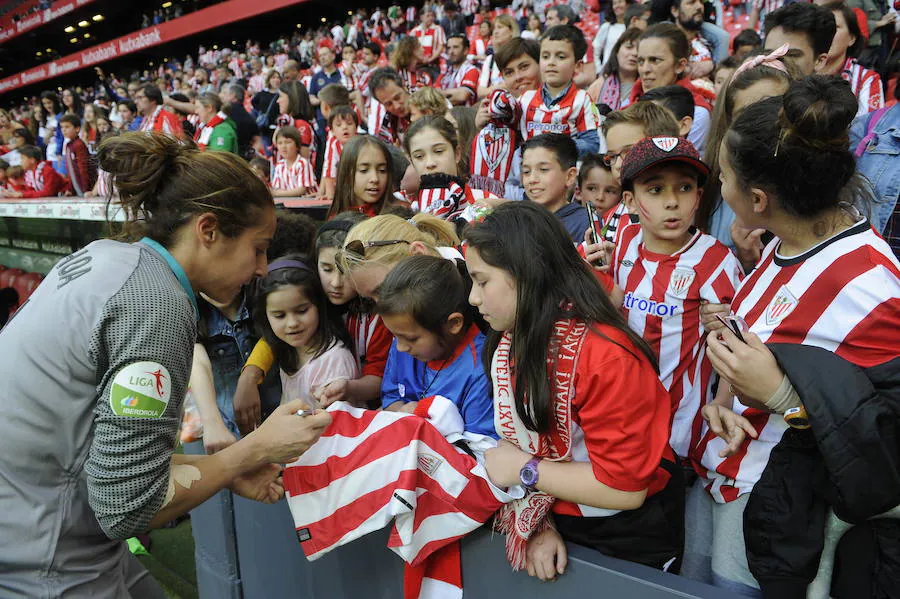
[811, 356]
[99, 360]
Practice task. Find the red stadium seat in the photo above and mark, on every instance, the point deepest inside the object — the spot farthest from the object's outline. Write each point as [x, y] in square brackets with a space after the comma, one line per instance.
[8, 277]
[26, 284]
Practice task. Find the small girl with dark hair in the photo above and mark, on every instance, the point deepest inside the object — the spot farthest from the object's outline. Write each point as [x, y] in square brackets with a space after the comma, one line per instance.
[437, 347]
[588, 440]
[371, 339]
[295, 318]
[432, 145]
[827, 288]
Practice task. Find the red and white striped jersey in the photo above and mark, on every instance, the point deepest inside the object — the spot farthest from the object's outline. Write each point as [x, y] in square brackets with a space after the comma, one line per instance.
[430, 38]
[468, 7]
[162, 120]
[843, 296]
[866, 85]
[700, 50]
[572, 113]
[256, 84]
[413, 80]
[372, 341]
[465, 76]
[362, 81]
[333, 150]
[662, 304]
[297, 175]
[372, 467]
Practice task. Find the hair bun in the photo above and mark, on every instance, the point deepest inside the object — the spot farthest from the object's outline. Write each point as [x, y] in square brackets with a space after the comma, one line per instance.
[817, 112]
[139, 163]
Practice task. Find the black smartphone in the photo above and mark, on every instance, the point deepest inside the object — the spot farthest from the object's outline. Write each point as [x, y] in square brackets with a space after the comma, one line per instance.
[735, 324]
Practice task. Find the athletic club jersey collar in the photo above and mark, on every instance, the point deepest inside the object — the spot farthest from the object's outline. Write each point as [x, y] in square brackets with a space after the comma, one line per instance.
[548, 101]
[783, 261]
[177, 270]
[654, 257]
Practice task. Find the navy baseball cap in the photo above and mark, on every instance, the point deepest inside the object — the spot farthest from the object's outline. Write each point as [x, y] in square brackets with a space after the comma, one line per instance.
[653, 151]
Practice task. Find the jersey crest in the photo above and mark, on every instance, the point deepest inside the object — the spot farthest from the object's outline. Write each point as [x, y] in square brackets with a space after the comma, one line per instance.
[782, 304]
[494, 146]
[681, 281]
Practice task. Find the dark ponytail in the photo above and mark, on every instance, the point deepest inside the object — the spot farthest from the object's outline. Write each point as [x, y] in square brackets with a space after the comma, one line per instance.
[162, 183]
[797, 146]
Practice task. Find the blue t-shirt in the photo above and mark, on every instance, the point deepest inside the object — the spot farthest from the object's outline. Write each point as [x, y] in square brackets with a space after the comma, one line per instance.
[316, 83]
[462, 380]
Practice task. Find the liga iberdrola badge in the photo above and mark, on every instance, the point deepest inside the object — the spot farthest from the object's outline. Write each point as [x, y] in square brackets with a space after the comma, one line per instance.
[141, 390]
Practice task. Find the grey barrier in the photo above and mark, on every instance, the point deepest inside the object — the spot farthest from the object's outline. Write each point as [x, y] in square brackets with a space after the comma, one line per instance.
[262, 558]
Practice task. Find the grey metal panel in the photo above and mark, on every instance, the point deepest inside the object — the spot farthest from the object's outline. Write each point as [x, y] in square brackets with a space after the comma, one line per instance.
[272, 563]
[215, 545]
[366, 569]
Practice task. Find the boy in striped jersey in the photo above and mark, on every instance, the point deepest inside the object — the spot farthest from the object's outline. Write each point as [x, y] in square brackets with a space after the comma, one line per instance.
[667, 267]
[559, 106]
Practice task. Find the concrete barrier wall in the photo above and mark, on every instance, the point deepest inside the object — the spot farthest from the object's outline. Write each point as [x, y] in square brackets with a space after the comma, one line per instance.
[269, 563]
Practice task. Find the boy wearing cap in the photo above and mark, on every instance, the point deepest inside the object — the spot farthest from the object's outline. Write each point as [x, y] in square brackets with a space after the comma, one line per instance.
[666, 267]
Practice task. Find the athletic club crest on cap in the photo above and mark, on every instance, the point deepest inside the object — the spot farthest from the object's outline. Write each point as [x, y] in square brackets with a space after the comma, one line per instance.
[681, 281]
[782, 304]
[666, 144]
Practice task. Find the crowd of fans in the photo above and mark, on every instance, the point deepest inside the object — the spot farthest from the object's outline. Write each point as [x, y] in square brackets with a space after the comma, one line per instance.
[722, 214]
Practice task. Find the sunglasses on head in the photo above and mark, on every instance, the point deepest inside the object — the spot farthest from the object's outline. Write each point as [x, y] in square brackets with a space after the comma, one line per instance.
[358, 249]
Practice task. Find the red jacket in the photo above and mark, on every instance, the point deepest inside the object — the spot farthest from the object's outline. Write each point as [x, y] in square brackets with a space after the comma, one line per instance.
[82, 170]
[44, 182]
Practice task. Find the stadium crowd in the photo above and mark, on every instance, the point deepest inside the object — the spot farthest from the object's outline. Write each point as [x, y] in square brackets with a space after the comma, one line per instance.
[641, 276]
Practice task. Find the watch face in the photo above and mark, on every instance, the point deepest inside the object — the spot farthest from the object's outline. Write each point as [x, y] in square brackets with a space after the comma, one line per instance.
[528, 474]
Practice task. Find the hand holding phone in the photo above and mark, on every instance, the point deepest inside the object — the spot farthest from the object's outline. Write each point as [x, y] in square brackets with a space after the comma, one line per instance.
[735, 324]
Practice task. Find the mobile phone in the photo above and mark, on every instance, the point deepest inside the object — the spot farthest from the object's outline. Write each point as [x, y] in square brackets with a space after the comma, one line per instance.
[735, 324]
[596, 223]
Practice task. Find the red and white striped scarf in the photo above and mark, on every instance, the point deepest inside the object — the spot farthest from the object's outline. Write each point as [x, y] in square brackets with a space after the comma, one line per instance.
[204, 130]
[524, 517]
[443, 196]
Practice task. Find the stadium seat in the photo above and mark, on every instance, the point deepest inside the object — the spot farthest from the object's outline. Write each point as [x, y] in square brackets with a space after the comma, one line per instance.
[9, 276]
[25, 285]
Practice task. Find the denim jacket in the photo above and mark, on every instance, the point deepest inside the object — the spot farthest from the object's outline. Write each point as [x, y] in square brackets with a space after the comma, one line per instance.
[879, 162]
[228, 344]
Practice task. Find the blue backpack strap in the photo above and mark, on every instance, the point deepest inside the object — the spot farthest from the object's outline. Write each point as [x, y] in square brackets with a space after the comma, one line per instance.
[871, 123]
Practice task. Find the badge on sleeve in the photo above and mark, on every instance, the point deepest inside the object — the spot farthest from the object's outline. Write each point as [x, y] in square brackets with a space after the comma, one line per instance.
[141, 390]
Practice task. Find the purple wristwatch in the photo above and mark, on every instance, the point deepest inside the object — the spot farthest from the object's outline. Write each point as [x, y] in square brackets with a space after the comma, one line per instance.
[528, 475]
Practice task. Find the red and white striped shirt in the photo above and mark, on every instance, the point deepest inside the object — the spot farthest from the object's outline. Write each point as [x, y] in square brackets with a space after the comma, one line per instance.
[465, 76]
[866, 85]
[256, 84]
[843, 296]
[572, 113]
[430, 38]
[413, 80]
[333, 150]
[297, 175]
[468, 7]
[372, 341]
[662, 304]
[363, 82]
[162, 120]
